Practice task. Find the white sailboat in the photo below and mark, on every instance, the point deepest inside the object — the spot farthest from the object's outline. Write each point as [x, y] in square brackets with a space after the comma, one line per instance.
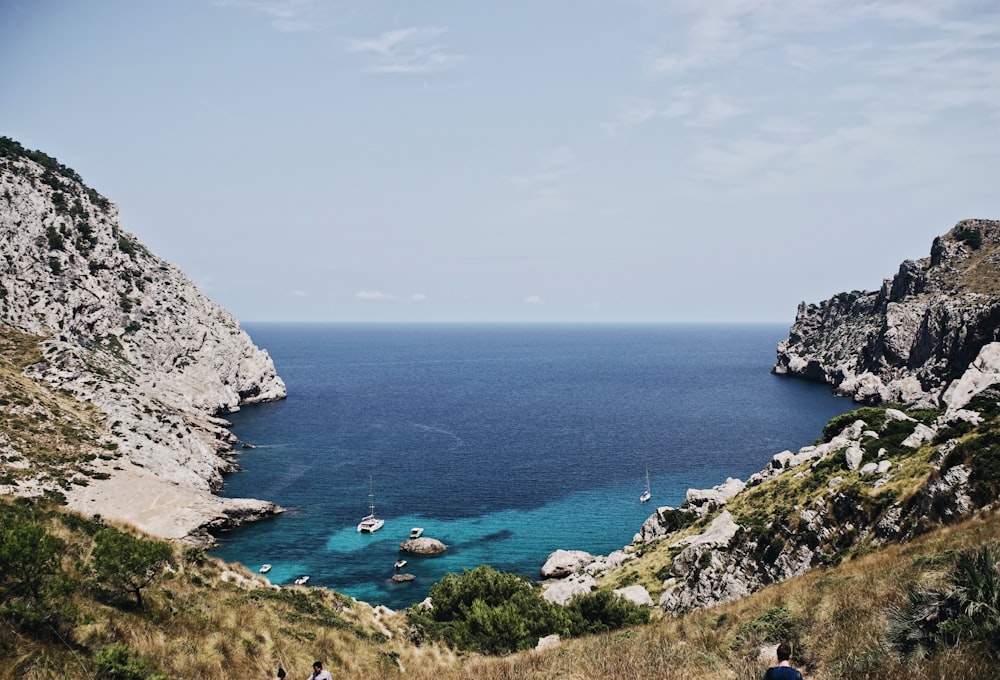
[369, 524]
[646, 495]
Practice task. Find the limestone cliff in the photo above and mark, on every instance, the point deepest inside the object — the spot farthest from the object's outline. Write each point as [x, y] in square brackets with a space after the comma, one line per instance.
[907, 342]
[929, 339]
[121, 328]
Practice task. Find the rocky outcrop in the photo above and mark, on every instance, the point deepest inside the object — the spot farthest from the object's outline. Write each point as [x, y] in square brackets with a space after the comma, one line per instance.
[423, 546]
[565, 562]
[122, 329]
[910, 340]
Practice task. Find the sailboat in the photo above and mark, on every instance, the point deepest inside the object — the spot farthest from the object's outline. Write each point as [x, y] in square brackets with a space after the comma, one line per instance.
[369, 524]
[645, 494]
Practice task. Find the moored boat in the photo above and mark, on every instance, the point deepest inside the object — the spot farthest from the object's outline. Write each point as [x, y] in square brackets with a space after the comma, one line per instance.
[369, 524]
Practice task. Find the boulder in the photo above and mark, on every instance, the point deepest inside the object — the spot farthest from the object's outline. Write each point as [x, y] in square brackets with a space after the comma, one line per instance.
[422, 546]
[562, 563]
[635, 593]
[563, 590]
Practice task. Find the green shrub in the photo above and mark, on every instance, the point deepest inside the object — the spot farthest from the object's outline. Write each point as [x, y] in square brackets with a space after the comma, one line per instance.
[117, 663]
[874, 416]
[970, 236]
[603, 610]
[965, 609]
[489, 611]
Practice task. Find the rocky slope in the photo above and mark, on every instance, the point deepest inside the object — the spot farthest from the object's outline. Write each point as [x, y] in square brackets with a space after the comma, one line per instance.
[907, 342]
[929, 339]
[132, 335]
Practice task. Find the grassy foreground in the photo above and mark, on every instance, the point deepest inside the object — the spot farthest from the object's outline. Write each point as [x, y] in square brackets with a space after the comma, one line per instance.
[205, 619]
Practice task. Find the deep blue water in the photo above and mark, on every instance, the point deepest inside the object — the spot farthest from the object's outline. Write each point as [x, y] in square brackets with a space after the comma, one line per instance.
[505, 442]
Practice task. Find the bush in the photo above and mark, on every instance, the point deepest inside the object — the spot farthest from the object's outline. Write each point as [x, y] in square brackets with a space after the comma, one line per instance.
[965, 610]
[117, 663]
[603, 610]
[489, 611]
[874, 416]
[970, 236]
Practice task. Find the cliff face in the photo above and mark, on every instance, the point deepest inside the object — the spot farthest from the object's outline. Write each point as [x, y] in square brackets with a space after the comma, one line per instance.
[121, 328]
[920, 332]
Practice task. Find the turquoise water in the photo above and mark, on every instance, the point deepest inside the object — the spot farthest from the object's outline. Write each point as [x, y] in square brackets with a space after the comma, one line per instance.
[504, 442]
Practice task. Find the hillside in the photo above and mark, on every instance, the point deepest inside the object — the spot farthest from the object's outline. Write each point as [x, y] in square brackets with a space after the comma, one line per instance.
[907, 342]
[129, 334]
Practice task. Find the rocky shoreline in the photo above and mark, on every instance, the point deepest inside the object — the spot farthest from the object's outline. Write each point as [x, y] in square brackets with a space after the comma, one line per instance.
[130, 334]
[929, 339]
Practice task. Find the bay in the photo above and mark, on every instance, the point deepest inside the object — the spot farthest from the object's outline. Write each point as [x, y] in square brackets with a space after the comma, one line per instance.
[506, 442]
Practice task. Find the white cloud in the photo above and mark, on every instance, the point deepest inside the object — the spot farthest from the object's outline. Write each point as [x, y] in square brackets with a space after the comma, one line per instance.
[285, 15]
[374, 295]
[534, 300]
[418, 297]
[407, 50]
[298, 293]
[692, 106]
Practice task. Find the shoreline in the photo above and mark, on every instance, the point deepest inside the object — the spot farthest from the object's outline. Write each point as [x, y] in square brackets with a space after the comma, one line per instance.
[165, 509]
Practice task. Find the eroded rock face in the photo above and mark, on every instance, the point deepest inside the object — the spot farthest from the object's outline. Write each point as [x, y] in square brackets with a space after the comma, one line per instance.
[907, 342]
[123, 329]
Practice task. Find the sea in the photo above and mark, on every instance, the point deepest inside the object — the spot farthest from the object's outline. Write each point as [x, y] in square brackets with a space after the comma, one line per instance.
[505, 442]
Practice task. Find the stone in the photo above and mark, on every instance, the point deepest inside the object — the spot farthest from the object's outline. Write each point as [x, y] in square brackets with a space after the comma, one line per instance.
[423, 546]
[562, 563]
[548, 642]
[635, 593]
[563, 590]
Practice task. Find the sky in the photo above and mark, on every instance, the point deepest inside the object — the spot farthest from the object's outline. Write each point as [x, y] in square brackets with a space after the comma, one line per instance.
[548, 161]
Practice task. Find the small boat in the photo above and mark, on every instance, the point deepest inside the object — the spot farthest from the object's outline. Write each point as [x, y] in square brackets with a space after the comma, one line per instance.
[416, 532]
[400, 564]
[302, 580]
[645, 494]
[265, 568]
[369, 524]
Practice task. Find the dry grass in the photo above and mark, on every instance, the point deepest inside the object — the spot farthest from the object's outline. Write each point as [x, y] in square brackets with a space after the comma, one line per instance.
[46, 437]
[196, 625]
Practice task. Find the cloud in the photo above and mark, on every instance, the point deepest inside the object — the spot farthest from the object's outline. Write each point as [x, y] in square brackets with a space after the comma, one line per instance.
[534, 300]
[407, 50]
[298, 293]
[373, 295]
[692, 106]
[286, 16]
[418, 297]
[553, 165]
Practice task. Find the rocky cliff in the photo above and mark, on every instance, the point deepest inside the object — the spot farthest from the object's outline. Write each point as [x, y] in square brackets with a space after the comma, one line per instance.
[125, 331]
[907, 342]
[929, 339]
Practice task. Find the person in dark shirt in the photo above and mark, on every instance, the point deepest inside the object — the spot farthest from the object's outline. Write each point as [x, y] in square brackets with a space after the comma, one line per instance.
[784, 670]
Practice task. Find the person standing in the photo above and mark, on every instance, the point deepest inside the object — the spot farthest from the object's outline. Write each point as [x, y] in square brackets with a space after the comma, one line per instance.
[784, 670]
[318, 672]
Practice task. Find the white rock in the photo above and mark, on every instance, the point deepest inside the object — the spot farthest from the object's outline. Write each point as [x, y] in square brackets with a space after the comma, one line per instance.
[562, 563]
[635, 593]
[563, 590]
[981, 374]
